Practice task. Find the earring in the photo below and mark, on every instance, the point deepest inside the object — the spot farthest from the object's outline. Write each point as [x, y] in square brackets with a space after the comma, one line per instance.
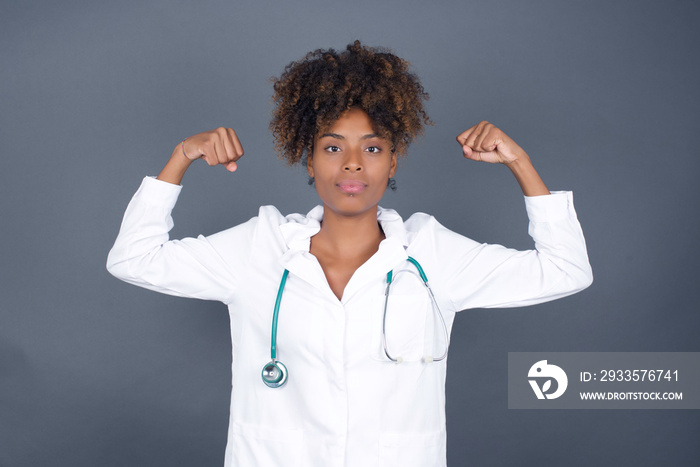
[391, 184]
[311, 181]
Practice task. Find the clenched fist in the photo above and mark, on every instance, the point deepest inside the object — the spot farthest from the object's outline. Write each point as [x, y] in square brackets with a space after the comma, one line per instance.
[220, 146]
[485, 142]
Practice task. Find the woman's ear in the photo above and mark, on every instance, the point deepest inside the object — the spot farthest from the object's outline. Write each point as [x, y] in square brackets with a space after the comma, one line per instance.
[310, 166]
[394, 166]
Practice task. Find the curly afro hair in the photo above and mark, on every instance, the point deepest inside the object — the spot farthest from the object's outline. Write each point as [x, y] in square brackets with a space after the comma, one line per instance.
[314, 91]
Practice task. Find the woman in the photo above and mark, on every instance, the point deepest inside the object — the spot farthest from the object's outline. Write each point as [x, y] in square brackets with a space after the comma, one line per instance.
[363, 378]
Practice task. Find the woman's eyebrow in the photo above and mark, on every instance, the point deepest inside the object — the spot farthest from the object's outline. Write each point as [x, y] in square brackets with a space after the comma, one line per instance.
[337, 136]
[331, 135]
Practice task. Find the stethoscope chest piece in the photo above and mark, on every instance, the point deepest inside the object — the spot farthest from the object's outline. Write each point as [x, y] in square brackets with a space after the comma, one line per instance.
[274, 374]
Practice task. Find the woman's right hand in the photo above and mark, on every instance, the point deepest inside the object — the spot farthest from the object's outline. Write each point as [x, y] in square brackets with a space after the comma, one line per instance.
[220, 146]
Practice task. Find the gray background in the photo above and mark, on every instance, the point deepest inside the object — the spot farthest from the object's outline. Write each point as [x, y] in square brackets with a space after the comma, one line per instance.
[94, 95]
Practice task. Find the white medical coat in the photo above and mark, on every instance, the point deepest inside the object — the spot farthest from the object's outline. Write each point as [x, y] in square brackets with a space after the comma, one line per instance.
[345, 403]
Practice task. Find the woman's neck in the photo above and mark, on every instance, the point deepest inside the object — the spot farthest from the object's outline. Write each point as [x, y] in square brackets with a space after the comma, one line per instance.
[349, 235]
[345, 243]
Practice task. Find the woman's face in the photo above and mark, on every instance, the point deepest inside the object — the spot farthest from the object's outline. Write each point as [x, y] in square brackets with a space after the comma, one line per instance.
[351, 164]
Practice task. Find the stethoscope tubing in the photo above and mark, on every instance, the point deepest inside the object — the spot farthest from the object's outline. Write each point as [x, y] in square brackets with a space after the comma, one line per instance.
[275, 315]
[274, 373]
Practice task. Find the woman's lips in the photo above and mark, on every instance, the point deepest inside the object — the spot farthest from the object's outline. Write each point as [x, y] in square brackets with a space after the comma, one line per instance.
[352, 186]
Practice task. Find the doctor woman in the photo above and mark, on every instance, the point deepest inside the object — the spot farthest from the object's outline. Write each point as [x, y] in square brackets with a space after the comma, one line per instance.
[339, 347]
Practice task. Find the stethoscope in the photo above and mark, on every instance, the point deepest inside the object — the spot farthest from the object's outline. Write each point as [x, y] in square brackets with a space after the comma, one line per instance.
[274, 373]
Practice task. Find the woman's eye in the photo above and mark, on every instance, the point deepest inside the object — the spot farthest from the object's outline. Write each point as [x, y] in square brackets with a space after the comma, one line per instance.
[374, 149]
[333, 149]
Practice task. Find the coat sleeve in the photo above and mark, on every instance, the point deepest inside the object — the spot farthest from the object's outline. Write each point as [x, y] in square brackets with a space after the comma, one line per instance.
[488, 276]
[144, 255]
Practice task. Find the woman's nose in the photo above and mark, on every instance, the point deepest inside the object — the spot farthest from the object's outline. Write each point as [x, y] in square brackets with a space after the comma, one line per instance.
[353, 163]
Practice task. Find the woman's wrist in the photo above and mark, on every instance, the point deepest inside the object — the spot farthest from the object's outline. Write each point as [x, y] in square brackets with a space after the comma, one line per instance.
[176, 167]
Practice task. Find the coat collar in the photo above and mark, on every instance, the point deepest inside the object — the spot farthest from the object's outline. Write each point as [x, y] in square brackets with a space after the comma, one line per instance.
[297, 235]
[298, 231]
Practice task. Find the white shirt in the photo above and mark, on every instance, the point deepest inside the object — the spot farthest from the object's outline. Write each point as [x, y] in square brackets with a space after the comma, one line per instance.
[345, 403]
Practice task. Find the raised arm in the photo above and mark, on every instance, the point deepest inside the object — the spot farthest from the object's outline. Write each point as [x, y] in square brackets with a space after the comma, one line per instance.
[483, 275]
[143, 253]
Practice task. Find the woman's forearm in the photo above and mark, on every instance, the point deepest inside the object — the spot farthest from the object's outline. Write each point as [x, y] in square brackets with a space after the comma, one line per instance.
[527, 177]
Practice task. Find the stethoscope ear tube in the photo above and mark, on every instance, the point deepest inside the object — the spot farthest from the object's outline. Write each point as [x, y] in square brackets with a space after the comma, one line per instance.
[435, 307]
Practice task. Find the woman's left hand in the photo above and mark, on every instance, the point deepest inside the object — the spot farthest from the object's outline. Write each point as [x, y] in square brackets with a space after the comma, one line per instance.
[485, 142]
